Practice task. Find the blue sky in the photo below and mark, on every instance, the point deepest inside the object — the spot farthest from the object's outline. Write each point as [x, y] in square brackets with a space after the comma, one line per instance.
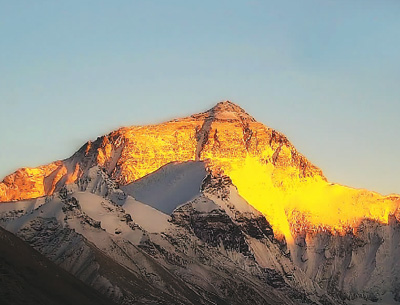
[326, 73]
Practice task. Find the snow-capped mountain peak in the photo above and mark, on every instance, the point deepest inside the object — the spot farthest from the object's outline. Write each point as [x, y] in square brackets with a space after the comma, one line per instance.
[214, 208]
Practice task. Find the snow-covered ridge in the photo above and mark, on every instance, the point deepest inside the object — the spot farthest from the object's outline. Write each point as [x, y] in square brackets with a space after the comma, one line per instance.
[129, 250]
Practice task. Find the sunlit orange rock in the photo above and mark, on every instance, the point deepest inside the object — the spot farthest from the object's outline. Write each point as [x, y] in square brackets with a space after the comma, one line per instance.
[265, 167]
[29, 182]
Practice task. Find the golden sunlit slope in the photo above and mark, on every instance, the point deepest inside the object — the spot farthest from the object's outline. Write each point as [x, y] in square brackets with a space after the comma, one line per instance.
[265, 167]
[307, 204]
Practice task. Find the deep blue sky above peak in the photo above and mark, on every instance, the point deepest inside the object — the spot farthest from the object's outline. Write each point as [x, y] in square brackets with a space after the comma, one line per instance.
[324, 72]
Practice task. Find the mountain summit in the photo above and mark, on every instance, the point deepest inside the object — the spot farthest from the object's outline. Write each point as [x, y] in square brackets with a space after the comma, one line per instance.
[225, 111]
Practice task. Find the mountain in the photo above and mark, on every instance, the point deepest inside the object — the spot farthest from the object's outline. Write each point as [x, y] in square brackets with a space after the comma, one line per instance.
[215, 208]
[27, 277]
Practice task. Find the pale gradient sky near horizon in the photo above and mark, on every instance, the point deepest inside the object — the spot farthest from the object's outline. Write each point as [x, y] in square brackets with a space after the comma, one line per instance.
[324, 72]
